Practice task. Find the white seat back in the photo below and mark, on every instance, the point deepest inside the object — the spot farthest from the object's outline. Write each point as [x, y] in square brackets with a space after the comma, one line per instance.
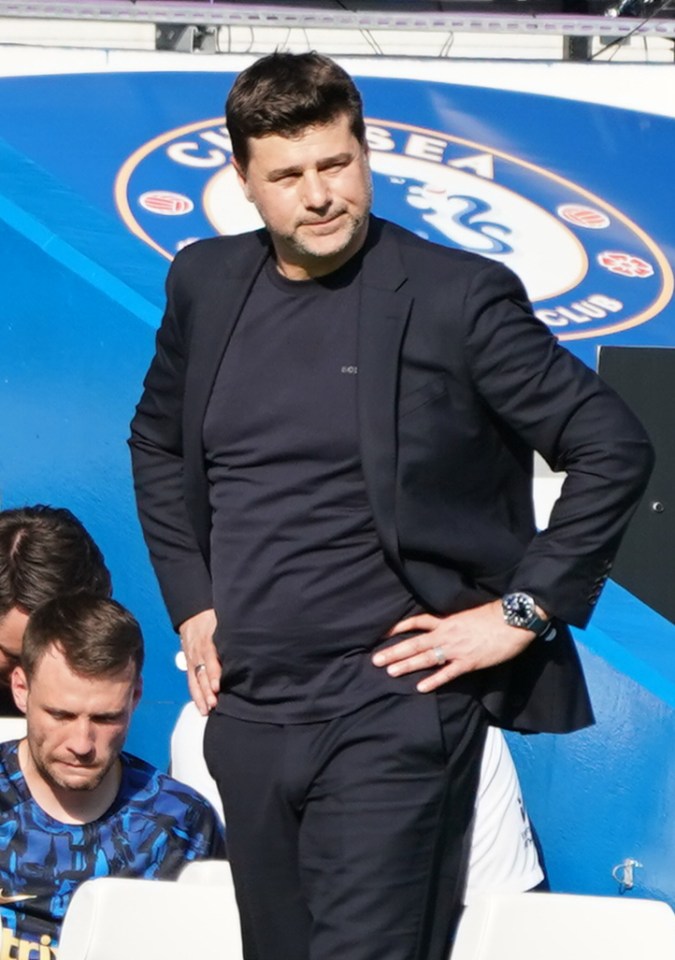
[187, 756]
[115, 918]
[550, 926]
[12, 728]
[209, 872]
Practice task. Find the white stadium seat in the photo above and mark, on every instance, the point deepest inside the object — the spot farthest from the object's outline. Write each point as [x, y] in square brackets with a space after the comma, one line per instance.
[12, 728]
[115, 918]
[554, 926]
[208, 872]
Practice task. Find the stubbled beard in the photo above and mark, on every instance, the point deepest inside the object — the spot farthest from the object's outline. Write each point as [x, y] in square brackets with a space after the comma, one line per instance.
[294, 241]
[82, 787]
[306, 248]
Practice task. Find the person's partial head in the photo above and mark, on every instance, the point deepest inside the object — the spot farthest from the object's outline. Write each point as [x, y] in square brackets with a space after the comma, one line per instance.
[299, 148]
[44, 552]
[78, 684]
[284, 94]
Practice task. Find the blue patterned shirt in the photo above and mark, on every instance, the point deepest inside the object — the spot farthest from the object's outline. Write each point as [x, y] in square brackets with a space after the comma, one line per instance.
[154, 826]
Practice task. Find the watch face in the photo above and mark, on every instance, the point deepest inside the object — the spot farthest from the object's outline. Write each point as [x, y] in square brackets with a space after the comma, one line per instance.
[518, 609]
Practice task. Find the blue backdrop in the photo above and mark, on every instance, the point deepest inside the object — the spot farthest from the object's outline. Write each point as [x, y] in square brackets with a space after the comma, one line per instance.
[104, 176]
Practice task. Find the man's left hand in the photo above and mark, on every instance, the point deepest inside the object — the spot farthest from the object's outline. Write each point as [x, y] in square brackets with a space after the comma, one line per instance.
[460, 643]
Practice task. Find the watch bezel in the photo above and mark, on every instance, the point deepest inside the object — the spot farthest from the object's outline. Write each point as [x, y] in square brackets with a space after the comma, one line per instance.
[519, 609]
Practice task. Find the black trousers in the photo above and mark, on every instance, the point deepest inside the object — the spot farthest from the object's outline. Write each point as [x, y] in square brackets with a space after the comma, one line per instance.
[348, 838]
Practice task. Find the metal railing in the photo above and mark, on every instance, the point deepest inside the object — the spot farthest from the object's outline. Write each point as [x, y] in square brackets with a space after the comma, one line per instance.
[208, 13]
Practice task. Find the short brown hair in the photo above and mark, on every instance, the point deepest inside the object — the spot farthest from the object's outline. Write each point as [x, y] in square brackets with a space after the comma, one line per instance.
[44, 552]
[97, 636]
[284, 93]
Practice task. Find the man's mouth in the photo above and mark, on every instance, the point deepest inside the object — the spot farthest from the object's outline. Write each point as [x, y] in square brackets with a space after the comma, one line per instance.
[324, 222]
[79, 767]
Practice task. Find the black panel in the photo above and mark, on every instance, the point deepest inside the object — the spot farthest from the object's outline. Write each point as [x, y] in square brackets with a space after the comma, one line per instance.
[645, 565]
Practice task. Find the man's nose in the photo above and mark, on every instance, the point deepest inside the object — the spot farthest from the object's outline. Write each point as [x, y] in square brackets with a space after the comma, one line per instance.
[81, 739]
[316, 194]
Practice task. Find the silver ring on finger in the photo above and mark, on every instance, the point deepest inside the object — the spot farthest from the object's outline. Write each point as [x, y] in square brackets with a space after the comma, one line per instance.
[199, 668]
[439, 656]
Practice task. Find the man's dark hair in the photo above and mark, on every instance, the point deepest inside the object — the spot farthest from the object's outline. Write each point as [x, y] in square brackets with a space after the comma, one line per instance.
[97, 636]
[44, 552]
[283, 93]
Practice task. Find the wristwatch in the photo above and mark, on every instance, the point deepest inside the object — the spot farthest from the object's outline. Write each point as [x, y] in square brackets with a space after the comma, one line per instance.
[519, 610]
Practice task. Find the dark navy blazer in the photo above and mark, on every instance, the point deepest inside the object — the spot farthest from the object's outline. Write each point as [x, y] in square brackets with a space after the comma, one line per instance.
[458, 383]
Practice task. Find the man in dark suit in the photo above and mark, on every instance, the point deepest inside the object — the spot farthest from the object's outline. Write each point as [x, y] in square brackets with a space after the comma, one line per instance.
[333, 465]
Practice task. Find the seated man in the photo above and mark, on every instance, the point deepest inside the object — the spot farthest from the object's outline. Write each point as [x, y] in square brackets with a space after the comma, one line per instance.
[72, 805]
[44, 552]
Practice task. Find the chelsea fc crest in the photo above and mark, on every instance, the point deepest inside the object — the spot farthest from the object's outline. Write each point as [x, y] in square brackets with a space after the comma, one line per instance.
[589, 270]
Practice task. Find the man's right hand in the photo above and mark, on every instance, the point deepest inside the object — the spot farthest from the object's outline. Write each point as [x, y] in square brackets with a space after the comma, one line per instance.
[203, 665]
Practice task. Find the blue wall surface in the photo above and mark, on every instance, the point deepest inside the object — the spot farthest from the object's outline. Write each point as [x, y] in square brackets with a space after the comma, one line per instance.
[606, 794]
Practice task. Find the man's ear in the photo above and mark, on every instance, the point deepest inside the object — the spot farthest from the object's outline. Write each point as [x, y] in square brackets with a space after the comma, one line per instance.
[241, 177]
[20, 688]
[138, 692]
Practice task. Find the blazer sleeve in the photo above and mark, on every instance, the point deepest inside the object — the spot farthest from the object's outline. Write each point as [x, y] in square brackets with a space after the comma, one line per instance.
[579, 425]
[156, 444]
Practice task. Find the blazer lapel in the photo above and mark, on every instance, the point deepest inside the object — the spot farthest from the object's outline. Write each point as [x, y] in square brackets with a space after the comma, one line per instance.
[383, 316]
[224, 287]
[224, 294]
